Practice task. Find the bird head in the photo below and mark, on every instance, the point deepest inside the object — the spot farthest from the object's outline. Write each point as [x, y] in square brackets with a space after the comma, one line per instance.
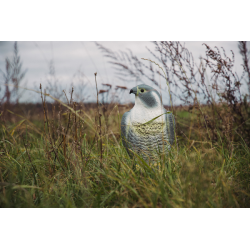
[146, 96]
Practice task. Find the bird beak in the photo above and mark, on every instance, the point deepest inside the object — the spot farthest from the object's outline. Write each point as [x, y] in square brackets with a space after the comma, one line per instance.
[133, 91]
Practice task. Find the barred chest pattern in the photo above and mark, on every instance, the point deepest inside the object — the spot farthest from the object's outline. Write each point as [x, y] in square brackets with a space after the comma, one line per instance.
[148, 140]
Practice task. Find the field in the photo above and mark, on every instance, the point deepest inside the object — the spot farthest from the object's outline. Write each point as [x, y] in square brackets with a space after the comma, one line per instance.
[67, 153]
[62, 155]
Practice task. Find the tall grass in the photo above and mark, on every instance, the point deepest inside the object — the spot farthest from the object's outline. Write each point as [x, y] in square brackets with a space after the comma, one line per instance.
[56, 162]
[69, 154]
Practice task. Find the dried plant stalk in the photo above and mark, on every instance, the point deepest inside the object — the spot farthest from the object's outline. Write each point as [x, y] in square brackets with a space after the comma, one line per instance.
[99, 116]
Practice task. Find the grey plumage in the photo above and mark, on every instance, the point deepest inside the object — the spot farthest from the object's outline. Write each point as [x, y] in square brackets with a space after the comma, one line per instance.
[147, 129]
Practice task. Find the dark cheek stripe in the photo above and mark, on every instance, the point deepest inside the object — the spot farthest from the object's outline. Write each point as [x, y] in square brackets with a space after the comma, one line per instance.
[148, 99]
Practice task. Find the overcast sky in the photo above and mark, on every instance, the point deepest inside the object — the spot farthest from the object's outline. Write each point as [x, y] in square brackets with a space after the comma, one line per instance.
[70, 57]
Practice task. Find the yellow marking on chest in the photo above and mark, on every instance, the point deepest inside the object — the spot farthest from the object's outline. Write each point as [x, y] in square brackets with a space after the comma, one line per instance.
[149, 129]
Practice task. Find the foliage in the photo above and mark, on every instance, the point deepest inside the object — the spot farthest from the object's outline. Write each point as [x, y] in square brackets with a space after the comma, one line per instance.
[211, 82]
[13, 74]
[57, 163]
[68, 154]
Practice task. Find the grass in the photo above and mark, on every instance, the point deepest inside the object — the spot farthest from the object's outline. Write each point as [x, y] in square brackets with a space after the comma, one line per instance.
[54, 160]
[71, 155]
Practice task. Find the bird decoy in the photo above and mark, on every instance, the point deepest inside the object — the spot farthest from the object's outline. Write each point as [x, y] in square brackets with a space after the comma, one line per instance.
[148, 129]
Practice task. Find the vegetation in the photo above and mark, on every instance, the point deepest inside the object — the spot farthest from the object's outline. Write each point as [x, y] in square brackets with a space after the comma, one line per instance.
[71, 155]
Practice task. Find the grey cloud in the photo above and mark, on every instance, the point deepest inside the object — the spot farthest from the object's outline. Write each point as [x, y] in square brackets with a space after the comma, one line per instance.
[69, 57]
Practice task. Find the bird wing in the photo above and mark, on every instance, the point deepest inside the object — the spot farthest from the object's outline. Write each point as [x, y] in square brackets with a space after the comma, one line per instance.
[124, 128]
[170, 122]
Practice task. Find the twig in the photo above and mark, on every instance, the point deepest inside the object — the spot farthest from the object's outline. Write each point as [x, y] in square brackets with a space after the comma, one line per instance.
[99, 115]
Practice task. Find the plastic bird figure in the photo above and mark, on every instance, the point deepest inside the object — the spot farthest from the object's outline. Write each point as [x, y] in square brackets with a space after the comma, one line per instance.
[148, 128]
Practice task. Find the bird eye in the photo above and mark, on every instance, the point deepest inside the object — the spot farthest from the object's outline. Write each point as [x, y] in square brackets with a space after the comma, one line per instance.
[142, 90]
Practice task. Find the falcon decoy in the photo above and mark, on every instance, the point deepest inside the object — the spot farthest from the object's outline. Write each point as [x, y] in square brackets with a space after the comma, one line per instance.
[148, 128]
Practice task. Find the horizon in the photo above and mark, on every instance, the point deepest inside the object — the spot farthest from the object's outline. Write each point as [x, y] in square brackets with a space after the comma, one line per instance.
[75, 62]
